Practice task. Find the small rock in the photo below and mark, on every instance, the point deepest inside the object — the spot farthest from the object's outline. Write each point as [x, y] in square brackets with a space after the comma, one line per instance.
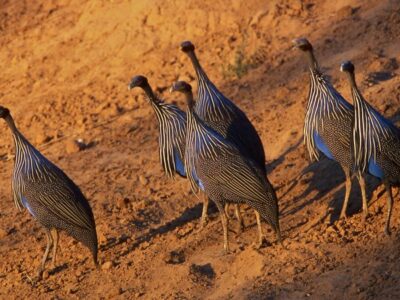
[143, 180]
[107, 265]
[71, 146]
[123, 202]
[175, 257]
[45, 274]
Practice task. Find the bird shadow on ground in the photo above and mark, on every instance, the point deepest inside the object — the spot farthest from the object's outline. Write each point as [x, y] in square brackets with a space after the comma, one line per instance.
[190, 214]
[276, 162]
[323, 177]
[58, 269]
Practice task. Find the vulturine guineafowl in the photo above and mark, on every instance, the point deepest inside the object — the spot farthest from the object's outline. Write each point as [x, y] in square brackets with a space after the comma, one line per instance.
[328, 123]
[224, 173]
[49, 195]
[225, 117]
[376, 142]
[172, 134]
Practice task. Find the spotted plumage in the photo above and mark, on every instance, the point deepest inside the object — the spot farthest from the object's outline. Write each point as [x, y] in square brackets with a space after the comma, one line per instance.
[225, 173]
[49, 195]
[376, 142]
[328, 123]
[223, 115]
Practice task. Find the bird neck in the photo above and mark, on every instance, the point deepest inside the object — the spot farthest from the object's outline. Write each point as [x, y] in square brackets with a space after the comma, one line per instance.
[201, 75]
[189, 100]
[312, 61]
[20, 142]
[150, 94]
[10, 122]
[354, 89]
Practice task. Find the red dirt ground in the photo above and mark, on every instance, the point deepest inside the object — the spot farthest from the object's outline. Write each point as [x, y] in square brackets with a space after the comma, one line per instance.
[65, 70]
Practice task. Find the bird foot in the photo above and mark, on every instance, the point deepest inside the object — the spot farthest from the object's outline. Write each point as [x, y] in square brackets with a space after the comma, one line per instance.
[258, 245]
[387, 232]
[226, 249]
[364, 218]
[203, 222]
[343, 216]
[35, 280]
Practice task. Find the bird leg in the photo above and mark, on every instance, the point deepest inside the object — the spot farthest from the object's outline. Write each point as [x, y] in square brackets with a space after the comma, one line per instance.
[46, 253]
[55, 239]
[361, 180]
[204, 212]
[260, 233]
[225, 224]
[347, 195]
[239, 217]
[390, 206]
[226, 208]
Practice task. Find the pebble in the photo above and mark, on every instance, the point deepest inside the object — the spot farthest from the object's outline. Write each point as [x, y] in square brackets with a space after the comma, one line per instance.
[45, 274]
[123, 202]
[175, 257]
[143, 180]
[71, 146]
[107, 265]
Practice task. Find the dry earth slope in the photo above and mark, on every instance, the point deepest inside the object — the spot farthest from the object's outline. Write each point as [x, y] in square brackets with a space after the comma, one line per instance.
[65, 69]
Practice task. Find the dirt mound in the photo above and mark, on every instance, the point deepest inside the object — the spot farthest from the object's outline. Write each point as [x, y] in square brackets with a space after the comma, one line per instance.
[65, 70]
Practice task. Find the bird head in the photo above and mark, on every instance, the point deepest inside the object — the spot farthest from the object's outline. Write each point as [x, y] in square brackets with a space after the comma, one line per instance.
[186, 89]
[302, 44]
[187, 46]
[138, 81]
[181, 86]
[347, 66]
[4, 112]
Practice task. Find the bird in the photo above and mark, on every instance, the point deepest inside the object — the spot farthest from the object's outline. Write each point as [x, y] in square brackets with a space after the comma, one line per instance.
[172, 137]
[376, 142]
[172, 134]
[328, 124]
[50, 196]
[172, 129]
[225, 117]
[226, 175]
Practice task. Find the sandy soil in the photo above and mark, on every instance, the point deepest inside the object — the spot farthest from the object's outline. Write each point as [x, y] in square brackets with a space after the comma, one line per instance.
[65, 69]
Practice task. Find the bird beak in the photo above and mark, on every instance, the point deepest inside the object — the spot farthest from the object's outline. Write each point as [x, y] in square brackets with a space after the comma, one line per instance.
[295, 43]
[172, 88]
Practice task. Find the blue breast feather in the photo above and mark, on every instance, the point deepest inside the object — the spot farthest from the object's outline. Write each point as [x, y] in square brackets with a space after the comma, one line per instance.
[322, 147]
[27, 206]
[179, 165]
[374, 169]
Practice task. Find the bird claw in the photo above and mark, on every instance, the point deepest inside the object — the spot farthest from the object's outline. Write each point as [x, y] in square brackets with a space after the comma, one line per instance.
[365, 217]
[226, 250]
[343, 216]
[35, 280]
[203, 222]
[258, 245]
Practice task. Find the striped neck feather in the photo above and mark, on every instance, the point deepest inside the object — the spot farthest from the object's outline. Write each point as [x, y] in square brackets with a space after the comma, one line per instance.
[324, 102]
[370, 129]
